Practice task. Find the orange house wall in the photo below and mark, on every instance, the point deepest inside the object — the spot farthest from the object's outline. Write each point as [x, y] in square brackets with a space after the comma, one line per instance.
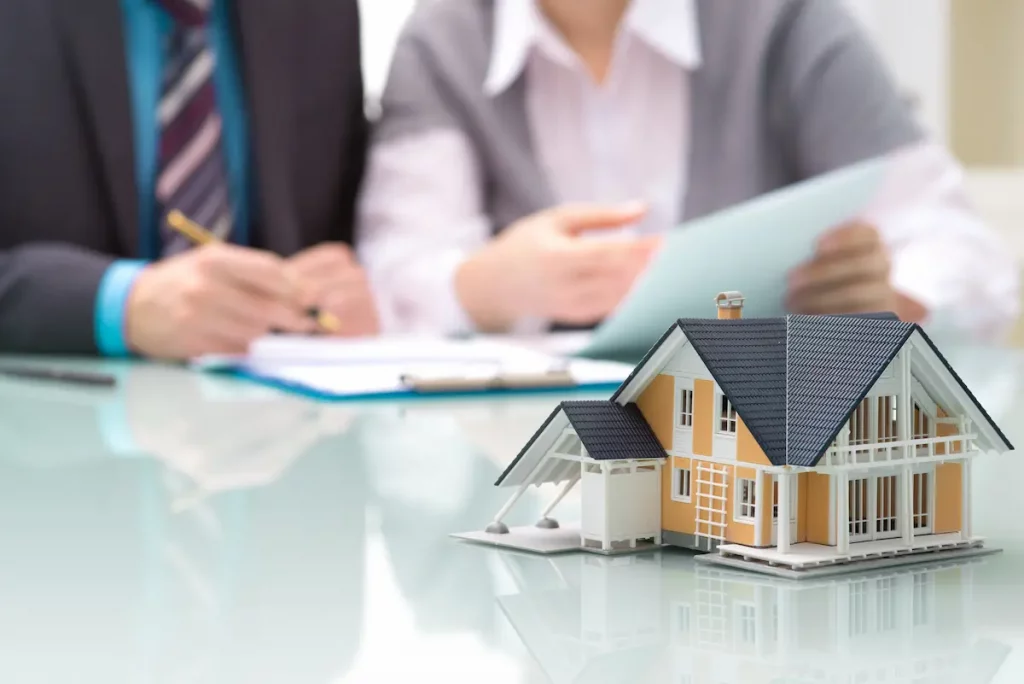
[657, 405]
[818, 495]
[801, 505]
[948, 498]
[703, 416]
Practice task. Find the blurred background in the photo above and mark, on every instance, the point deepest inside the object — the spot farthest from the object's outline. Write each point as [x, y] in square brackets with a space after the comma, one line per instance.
[959, 62]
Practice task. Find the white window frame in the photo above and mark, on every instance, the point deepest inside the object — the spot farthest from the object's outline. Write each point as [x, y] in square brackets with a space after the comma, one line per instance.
[928, 499]
[743, 511]
[725, 413]
[683, 390]
[677, 476]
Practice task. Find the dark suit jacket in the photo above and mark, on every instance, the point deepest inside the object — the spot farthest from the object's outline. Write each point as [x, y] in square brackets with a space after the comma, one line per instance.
[68, 198]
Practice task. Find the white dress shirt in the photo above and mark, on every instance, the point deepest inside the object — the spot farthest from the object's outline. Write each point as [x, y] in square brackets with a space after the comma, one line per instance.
[594, 144]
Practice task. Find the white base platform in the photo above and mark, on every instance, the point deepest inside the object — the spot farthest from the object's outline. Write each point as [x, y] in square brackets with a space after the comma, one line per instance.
[537, 540]
[815, 560]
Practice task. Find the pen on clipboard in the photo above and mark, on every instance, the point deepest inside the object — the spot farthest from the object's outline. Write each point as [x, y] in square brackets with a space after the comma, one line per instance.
[502, 381]
[65, 377]
[201, 236]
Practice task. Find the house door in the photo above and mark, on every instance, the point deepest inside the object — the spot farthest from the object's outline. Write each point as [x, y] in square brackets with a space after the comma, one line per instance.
[874, 508]
[794, 490]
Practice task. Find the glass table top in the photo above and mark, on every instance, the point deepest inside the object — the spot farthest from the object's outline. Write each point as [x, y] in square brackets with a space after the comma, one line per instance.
[194, 528]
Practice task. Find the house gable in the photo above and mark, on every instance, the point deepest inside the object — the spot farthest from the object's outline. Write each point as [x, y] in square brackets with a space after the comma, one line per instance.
[951, 394]
[607, 431]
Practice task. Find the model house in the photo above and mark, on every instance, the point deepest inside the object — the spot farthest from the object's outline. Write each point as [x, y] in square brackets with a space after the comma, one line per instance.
[785, 444]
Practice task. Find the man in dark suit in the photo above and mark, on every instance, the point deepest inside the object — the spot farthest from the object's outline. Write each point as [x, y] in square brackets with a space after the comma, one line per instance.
[245, 116]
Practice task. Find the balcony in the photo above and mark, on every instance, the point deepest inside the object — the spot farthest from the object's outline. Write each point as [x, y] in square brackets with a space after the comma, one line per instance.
[928, 449]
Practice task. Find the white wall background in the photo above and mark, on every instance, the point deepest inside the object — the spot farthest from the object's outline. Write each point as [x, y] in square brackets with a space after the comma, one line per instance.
[914, 37]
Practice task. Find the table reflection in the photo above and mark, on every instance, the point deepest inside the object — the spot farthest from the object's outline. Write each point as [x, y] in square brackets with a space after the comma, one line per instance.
[193, 529]
[662, 618]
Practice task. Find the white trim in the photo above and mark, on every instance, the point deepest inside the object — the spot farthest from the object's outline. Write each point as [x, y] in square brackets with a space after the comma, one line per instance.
[954, 394]
[738, 503]
[906, 504]
[683, 383]
[759, 519]
[674, 342]
[832, 503]
[881, 465]
[734, 421]
[842, 505]
[785, 529]
[965, 500]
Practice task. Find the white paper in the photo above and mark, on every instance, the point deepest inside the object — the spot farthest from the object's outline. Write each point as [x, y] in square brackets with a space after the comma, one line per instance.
[367, 367]
[750, 248]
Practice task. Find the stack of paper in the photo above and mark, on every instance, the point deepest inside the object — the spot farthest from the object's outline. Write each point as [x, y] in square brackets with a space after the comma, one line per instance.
[331, 368]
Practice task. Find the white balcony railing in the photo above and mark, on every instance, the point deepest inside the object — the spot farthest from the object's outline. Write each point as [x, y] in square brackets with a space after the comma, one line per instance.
[953, 446]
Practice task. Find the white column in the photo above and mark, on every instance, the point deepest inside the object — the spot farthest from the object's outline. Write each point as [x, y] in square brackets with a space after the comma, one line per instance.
[965, 499]
[764, 509]
[566, 488]
[606, 533]
[905, 409]
[843, 510]
[784, 531]
[906, 505]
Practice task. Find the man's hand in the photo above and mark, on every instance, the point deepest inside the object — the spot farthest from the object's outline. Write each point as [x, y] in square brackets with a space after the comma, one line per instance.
[849, 273]
[330, 279]
[542, 267]
[215, 299]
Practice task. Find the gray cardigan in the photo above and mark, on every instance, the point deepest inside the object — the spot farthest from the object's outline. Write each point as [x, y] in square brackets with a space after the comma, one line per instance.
[788, 89]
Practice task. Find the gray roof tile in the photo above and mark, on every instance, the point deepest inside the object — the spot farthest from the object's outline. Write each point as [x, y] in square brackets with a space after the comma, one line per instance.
[794, 381]
[612, 432]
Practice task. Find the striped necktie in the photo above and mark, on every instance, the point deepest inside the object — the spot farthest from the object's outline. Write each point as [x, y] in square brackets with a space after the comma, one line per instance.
[192, 176]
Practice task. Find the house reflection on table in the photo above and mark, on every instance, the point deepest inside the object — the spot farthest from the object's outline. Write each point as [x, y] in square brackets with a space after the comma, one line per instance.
[662, 618]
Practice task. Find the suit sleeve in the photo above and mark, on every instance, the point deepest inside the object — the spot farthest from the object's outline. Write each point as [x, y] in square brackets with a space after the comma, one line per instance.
[833, 99]
[48, 298]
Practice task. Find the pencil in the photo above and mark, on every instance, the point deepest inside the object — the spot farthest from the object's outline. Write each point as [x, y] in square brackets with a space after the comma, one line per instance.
[201, 236]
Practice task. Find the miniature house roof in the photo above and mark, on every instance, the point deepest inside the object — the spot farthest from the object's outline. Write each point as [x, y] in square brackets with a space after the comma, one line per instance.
[608, 431]
[796, 380]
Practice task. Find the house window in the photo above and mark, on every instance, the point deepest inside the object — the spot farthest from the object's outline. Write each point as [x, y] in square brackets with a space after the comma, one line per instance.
[922, 499]
[875, 420]
[887, 426]
[726, 416]
[746, 500]
[681, 482]
[860, 424]
[922, 423]
[685, 408]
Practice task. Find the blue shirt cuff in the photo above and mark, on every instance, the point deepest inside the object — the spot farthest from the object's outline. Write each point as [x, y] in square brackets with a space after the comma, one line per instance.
[111, 302]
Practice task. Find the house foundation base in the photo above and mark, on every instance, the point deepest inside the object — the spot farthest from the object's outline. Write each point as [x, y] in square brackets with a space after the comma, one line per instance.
[544, 541]
[793, 567]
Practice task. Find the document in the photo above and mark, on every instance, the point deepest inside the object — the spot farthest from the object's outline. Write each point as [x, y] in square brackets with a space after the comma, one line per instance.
[750, 248]
[385, 367]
